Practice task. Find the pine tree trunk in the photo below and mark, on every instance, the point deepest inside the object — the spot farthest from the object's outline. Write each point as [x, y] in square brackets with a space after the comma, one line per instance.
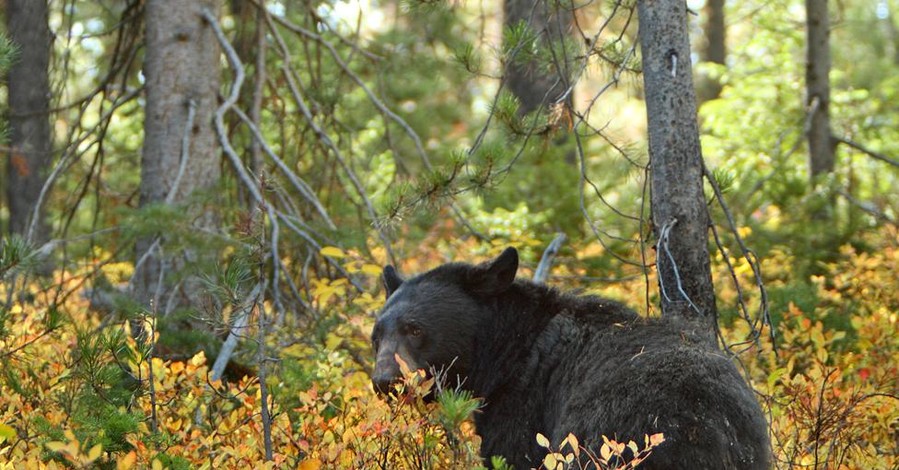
[250, 44]
[182, 70]
[679, 214]
[29, 103]
[817, 82]
[714, 50]
[531, 83]
[892, 35]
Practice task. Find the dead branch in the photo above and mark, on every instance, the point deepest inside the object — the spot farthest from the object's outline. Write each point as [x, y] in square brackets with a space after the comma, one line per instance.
[861, 148]
[546, 261]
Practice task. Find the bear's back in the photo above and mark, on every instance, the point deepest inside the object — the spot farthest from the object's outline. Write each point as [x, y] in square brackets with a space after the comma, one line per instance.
[623, 376]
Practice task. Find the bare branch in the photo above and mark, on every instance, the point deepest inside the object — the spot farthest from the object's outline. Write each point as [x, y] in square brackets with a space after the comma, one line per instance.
[236, 330]
[228, 104]
[358, 81]
[546, 261]
[65, 161]
[867, 151]
[749, 255]
[867, 207]
[185, 150]
[323, 136]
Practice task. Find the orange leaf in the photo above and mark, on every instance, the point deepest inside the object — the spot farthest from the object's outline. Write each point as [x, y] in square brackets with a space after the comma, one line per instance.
[127, 462]
[310, 464]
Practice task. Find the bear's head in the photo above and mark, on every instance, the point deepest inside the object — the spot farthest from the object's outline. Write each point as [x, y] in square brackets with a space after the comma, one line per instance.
[431, 320]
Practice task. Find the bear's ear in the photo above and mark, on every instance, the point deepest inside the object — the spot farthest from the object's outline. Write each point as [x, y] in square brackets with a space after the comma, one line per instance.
[392, 280]
[497, 276]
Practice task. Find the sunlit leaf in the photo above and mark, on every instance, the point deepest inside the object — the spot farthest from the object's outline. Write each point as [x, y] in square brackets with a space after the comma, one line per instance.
[95, 452]
[371, 269]
[332, 252]
[605, 452]
[573, 443]
[7, 432]
[127, 462]
[550, 461]
[57, 446]
[310, 464]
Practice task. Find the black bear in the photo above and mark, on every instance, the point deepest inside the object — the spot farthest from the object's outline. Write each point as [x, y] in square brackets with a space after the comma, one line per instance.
[553, 363]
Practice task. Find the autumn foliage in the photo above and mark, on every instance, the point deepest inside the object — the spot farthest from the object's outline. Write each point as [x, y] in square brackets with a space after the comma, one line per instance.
[79, 390]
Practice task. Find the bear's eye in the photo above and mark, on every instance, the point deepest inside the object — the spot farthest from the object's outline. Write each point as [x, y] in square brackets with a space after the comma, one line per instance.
[414, 331]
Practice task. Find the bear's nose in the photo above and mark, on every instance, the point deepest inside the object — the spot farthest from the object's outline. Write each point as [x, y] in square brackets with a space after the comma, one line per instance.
[383, 383]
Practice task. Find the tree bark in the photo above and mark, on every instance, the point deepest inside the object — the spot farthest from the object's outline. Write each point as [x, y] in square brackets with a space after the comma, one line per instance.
[531, 82]
[30, 143]
[182, 69]
[892, 35]
[250, 44]
[817, 82]
[714, 50]
[679, 214]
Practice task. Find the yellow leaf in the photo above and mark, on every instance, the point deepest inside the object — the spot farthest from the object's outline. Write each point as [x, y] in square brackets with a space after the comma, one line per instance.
[57, 446]
[656, 439]
[605, 452]
[542, 441]
[332, 252]
[351, 267]
[7, 432]
[199, 359]
[775, 375]
[574, 444]
[157, 465]
[821, 355]
[633, 447]
[175, 425]
[372, 269]
[94, 453]
[549, 461]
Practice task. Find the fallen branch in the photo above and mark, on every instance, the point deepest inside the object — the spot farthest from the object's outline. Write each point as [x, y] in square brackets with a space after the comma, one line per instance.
[546, 261]
[236, 331]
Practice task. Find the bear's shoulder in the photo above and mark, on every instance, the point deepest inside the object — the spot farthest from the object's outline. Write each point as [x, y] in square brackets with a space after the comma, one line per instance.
[593, 311]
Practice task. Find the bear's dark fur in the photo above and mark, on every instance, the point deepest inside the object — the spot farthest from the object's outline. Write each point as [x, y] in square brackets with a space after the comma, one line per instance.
[551, 363]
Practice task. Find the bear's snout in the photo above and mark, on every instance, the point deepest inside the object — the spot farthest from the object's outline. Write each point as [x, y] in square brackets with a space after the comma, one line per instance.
[383, 383]
[392, 359]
